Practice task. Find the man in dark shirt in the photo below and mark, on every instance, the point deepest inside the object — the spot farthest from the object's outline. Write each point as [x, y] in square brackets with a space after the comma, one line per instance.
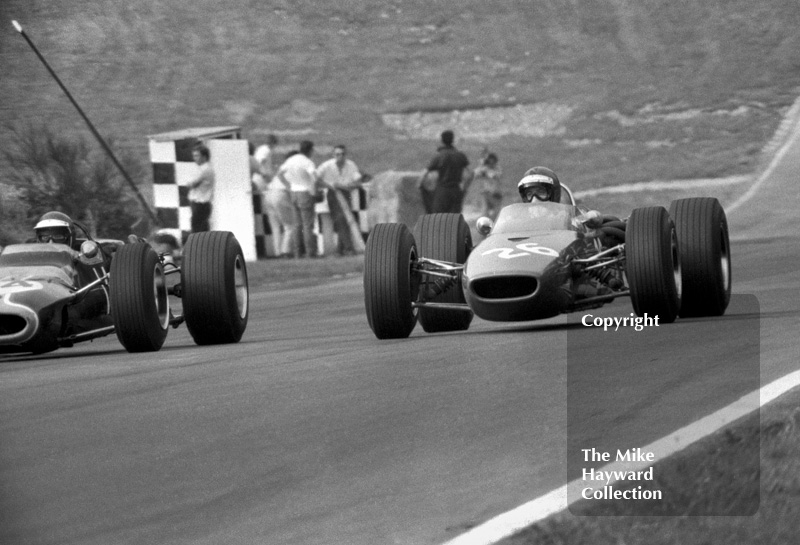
[449, 164]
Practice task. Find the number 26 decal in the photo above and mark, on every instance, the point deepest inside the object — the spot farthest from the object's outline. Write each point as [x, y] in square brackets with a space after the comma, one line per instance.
[527, 248]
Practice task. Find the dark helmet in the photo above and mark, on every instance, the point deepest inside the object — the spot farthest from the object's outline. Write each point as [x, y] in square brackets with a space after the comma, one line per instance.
[55, 227]
[540, 183]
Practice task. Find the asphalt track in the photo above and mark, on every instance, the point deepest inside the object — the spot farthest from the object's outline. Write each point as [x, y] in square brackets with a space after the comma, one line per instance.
[310, 431]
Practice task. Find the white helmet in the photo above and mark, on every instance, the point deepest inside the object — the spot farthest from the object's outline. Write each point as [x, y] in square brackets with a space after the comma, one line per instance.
[54, 227]
[539, 183]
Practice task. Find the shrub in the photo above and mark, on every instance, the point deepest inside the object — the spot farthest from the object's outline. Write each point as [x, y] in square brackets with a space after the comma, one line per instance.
[63, 172]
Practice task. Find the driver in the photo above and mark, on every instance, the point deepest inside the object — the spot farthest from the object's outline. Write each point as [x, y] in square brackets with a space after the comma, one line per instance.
[55, 227]
[542, 184]
[539, 183]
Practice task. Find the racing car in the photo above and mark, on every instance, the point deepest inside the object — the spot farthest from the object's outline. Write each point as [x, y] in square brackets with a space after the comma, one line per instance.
[55, 295]
[537, 260]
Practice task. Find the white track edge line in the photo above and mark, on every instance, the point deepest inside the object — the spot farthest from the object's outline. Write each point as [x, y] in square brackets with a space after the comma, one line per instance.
[764, 175]
[507, 524]
[793, 114]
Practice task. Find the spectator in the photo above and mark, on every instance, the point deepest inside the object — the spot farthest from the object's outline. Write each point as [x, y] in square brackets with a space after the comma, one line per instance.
[280, 212]
[201, 190]
[257, 179]
[264, 155]
[451, 166]
[341, 176]
[489, 175]
[299, 174]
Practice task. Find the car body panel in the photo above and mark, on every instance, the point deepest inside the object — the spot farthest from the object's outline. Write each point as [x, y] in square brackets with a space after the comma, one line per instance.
[522, 270]
[39, 305]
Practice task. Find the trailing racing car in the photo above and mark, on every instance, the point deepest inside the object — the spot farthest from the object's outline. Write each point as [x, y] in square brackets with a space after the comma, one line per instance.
[55, 295]
[542, 259]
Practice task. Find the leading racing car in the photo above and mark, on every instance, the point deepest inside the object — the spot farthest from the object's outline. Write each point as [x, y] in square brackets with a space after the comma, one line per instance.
[542, 259]
[52, 295]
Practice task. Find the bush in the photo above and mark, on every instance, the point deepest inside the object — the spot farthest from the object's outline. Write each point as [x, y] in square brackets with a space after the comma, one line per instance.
[13, 220]
[62, 172]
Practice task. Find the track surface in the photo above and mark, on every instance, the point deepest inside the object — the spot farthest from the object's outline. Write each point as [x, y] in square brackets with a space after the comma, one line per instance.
[310, 431]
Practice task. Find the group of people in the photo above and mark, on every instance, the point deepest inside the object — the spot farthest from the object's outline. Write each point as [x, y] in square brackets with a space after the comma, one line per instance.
[446, 192]
[289, 195]
[291, 191]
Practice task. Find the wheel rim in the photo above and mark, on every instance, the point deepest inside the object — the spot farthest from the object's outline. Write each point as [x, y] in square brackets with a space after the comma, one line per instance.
[676, 262]
[240, 276]
[160, 296]
[724, 258]
[413, 280]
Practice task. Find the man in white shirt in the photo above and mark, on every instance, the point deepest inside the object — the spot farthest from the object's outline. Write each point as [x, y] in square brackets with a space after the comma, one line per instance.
[341, 175]
[299, 174]
[263, 159]
[201, 190]
[277, 201]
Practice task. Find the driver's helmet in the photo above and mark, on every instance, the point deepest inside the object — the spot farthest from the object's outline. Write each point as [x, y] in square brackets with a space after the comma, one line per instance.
[55, 227]
[539, 183]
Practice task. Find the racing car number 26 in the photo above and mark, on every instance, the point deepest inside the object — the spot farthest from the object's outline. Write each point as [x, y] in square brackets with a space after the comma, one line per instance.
[526, 248]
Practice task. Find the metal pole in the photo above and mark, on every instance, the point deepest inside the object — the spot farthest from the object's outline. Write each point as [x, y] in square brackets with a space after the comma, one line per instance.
[96, 134]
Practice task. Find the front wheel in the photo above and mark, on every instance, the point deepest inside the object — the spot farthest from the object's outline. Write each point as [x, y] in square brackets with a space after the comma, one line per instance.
[138, 297]
[652, 265]
[215, 289]
[445, 237]
[704, 250]
[390, 285]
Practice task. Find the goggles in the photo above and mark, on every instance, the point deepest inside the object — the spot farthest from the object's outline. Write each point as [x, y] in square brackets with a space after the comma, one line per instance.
[539, 191]
[58, 238]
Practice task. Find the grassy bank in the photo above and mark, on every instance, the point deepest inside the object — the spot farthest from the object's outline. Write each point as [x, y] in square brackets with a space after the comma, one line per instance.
[720, 475]
[652, 90]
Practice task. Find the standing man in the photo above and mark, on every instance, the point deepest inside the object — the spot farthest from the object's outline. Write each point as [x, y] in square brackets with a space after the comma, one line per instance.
[281, 216]
[258, 182]
[299, 174]
[340, 176]
[490, 176]
[201, 190]
[264, 154]
[451, 166]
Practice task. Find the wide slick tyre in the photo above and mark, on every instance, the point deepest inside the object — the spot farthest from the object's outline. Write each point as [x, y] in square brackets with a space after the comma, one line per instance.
[652, 265]
[138, 297]
[215, 291]
[704, 251]
[390, 285]
[445, 237]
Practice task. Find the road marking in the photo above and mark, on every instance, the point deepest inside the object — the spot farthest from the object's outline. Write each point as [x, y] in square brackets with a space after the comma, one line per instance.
[657, 185]
[772, 165]
[507, 524]
[794, 125]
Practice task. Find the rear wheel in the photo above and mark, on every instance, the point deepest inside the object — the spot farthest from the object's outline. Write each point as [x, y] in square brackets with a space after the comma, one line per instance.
[139, 299]
[445, 237]
[704, 251]
[390, 286]
[652, 265]
[215, 291]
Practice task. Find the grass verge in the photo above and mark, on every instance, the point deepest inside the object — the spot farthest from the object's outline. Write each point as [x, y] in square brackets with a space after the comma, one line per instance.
[751, 502]
[290, 273]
